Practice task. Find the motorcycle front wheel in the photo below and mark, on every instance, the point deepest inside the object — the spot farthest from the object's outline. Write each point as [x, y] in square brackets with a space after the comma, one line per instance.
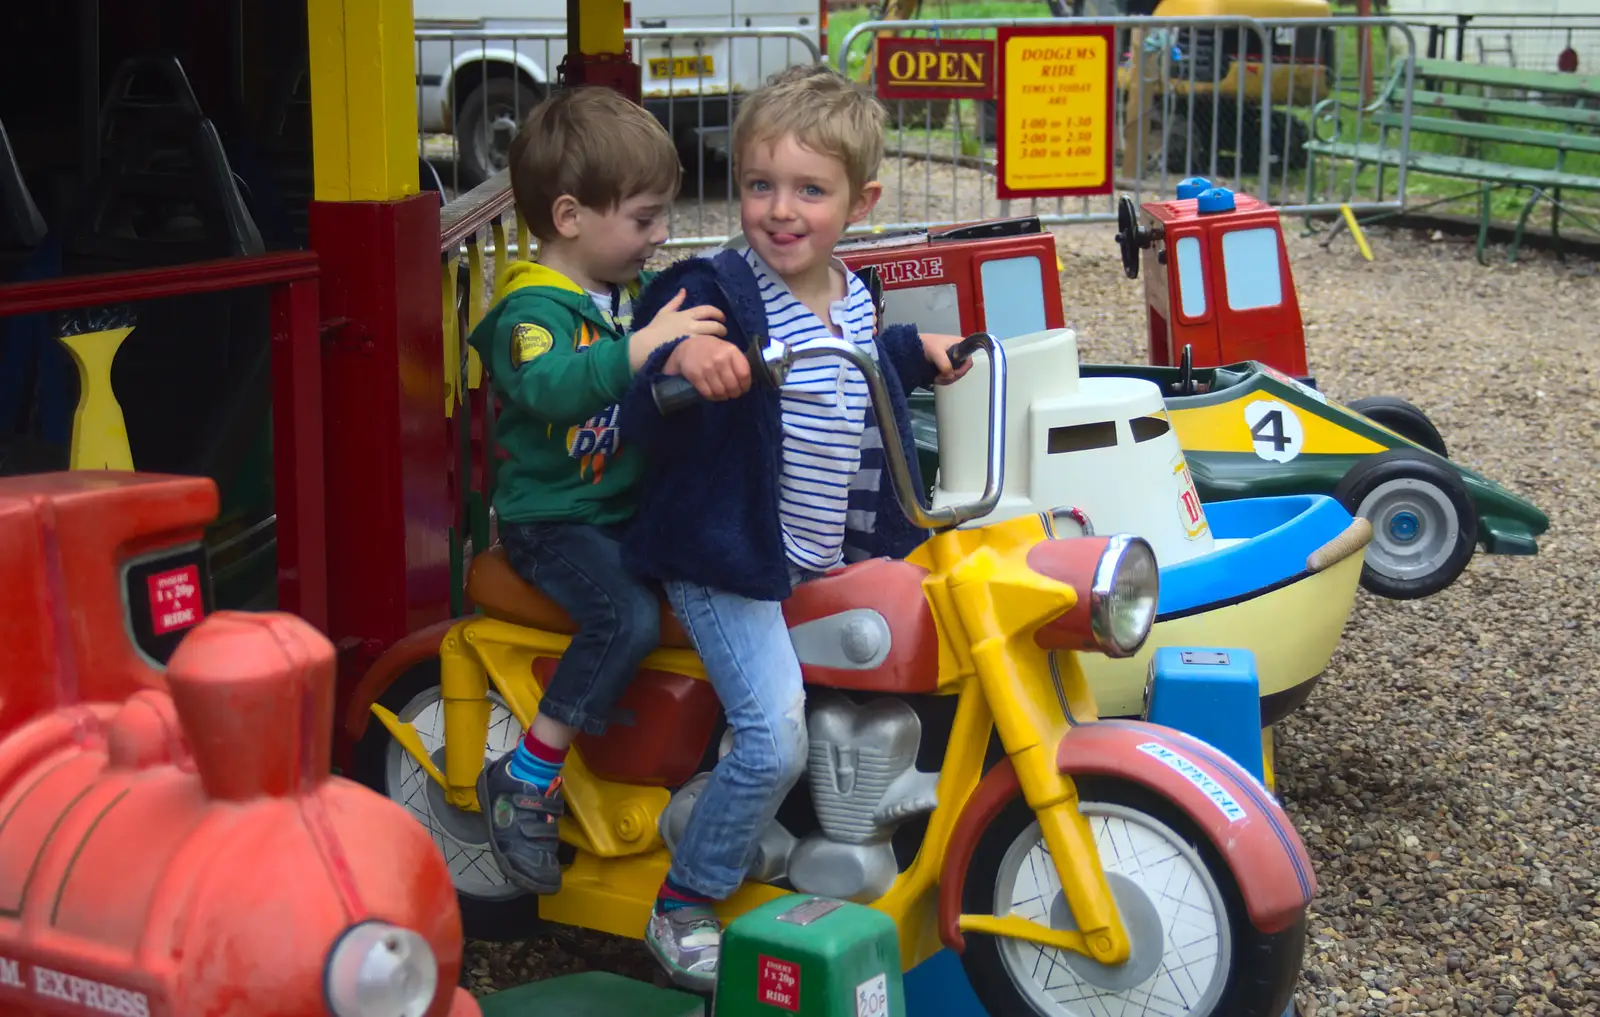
[1194, 951]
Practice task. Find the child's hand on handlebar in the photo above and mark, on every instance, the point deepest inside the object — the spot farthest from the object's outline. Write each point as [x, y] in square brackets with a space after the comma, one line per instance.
[671, 322]
[934, 346]
[716, 368]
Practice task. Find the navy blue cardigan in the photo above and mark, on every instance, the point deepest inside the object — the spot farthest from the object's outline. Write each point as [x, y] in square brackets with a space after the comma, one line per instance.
[708, 512]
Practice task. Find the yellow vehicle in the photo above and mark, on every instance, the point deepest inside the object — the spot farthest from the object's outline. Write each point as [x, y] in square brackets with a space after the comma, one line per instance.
[1207, 86]
[959, 779]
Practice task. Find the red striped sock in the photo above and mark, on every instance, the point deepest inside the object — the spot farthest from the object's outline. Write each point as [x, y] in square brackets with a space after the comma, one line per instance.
[542, 752]
[674, 895]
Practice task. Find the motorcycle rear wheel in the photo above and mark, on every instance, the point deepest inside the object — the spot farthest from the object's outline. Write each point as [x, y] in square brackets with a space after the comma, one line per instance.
[1194, 951]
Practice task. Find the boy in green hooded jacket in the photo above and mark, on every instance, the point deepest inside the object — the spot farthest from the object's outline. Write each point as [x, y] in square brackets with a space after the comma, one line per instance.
[593, 175]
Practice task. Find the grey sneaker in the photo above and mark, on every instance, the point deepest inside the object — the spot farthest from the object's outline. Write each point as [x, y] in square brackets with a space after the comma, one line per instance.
[522, 826]
[686, 942]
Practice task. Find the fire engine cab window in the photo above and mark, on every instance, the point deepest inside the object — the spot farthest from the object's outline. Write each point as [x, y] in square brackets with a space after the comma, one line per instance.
[1013, 297]
[1191, 278]
[1250, 264]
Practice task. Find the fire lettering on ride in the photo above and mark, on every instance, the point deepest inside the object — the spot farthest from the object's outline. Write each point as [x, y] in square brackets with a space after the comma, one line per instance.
[911, 270]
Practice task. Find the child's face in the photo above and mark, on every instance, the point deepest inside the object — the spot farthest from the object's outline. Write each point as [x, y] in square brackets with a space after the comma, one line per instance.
[614, 246]
[794, 205]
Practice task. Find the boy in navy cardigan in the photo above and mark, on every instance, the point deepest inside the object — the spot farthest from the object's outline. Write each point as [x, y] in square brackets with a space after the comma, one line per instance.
[757, 490]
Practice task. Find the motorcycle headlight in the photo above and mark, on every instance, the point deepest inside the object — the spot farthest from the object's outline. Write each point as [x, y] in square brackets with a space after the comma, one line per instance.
[1118, 585]
[1123, 595]
[380, 970]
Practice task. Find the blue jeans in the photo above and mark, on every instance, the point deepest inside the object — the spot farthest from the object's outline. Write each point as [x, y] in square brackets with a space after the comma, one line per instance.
[752, 665]
[618, 617]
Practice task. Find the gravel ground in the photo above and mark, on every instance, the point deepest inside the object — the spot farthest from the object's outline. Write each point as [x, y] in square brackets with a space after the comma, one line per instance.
[1443, 775]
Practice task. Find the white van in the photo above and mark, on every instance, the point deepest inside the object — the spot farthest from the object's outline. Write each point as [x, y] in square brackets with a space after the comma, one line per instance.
[478, 90]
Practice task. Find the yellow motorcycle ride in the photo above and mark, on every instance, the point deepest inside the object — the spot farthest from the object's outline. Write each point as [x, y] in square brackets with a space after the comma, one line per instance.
[958, 779]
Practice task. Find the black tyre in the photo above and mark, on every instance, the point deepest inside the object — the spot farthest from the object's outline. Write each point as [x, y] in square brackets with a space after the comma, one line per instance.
[1288, 140]
[1403, 419]
[1195, 952]
[492, 908]
[486, 122]
[1424, 524]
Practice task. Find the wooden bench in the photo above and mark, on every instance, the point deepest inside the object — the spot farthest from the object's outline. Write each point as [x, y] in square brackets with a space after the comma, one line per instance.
[1564, 129]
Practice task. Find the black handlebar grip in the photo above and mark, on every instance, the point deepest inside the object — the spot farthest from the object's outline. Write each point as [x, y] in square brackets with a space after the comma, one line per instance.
[674, 392]
[962, 351]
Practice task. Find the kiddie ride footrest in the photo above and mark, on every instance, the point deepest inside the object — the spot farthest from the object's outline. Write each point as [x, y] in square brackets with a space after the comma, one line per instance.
[591, 994]
[798, 954]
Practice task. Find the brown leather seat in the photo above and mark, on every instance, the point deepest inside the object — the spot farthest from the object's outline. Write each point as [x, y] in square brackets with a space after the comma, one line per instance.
[494, 586]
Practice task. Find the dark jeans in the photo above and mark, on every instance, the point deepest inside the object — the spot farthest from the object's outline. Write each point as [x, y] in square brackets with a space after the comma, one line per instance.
[618, 617]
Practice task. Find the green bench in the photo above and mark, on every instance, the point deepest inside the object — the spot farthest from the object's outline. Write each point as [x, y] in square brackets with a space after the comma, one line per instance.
[1564, 129]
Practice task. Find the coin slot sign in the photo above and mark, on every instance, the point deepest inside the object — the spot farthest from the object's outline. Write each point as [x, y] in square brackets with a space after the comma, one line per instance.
[778, 983]
[872, 997]
[175, 601]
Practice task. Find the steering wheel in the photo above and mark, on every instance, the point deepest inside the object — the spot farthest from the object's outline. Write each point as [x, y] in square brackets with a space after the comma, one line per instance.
[1131, 237]
[1186, 385]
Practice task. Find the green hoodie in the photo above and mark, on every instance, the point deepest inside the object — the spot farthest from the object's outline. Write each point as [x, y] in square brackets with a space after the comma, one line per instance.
[559, 368]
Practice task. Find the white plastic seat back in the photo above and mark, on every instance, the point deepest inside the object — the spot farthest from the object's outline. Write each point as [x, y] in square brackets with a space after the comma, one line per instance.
[1102, 445]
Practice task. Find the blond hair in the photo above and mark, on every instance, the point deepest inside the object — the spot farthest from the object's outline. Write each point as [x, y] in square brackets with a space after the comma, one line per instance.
[592, 143]
[823, 111]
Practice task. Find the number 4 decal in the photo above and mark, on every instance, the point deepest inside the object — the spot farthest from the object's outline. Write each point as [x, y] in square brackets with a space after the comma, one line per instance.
[1276, 434]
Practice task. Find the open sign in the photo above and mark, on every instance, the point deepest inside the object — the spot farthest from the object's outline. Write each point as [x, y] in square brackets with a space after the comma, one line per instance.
[935, 69]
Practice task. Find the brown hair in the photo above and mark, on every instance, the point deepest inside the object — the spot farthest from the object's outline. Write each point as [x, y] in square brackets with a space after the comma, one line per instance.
[824, 111]
[592, 143]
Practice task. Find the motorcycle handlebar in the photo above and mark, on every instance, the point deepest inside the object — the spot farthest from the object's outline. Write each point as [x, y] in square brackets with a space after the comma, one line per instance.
[674, 393]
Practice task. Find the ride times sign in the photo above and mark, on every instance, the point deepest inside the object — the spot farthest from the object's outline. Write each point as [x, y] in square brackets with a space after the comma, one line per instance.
[1053, 131]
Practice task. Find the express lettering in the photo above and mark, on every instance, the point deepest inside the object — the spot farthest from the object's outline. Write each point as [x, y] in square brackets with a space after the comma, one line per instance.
[86, 993]
[911, 270]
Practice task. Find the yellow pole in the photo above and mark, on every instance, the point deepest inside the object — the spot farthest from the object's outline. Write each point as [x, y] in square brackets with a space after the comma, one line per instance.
[363, 99]
[1355, 231]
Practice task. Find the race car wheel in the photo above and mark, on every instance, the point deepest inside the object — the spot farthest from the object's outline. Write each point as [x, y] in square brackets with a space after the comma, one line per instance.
[1403, 419]
[1424, 523]
[1193, 950]
[492, 907]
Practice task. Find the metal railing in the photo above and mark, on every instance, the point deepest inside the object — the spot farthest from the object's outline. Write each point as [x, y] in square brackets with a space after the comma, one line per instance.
[475, 86]
[94, 315]
[1530, 42]
[1225, 98]
[479, 234]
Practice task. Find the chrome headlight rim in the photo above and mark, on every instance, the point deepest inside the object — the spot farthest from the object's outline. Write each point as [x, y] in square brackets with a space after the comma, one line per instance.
[1120, 550]
[353, 948]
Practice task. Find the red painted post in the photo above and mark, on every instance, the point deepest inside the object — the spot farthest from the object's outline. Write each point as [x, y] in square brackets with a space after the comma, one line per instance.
[297, 461]
[387, 497]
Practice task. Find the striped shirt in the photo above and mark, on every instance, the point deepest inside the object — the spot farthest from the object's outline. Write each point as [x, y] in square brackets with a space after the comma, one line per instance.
[621, 318]
[825, 418]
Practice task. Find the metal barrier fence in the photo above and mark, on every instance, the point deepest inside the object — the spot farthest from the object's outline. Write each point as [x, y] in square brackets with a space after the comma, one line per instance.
[1530, 42]
[1227, 98]
[474, 87]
